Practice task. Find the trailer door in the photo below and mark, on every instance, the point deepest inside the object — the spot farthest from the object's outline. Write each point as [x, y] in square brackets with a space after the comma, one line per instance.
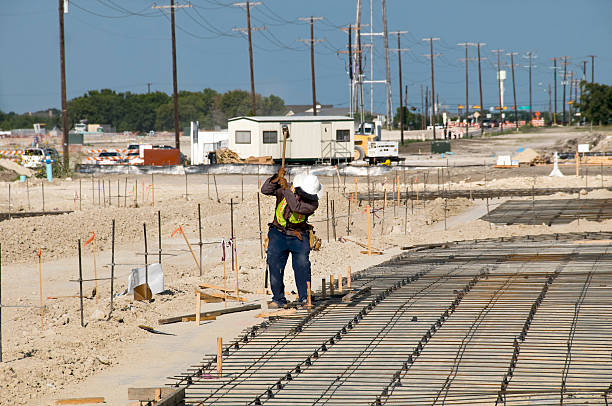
[327, 141]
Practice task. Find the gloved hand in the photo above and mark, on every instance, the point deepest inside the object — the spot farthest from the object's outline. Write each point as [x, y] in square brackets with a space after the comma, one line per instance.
[283, 183]
[281, 173]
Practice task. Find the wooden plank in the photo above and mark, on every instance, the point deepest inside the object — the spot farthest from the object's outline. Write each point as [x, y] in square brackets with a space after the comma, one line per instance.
[277, 313]
[222, 296]
[147, 394]
[177, 319]
[174, 399]
[193, 318]
[79, 401]
[211, 286]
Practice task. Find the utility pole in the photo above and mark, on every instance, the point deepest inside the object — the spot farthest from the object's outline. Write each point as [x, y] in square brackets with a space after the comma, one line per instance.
[148, 87]
[249, 29]
[312, 64]
[530, 56]
[555, 87]
[399, 61]
[433, 91]
[516, 124]
[423, 119]
[564, 83]
[177, 141]
[501, 108]
[592, 67]
[550, 104]
[65, 149]
[352, 67]
[426, 106]
[480, 86]
[467, 106]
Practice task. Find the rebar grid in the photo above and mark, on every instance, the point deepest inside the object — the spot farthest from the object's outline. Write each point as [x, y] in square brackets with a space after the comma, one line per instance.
[439, 326]
[560, 211]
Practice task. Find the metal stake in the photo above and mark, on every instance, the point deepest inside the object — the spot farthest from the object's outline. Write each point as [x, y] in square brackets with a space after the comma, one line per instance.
[81, 284]
[200, 235]
[112, 280]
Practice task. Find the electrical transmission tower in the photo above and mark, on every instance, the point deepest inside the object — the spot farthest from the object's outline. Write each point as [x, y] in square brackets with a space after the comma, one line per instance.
[500, 88]
[358, 74]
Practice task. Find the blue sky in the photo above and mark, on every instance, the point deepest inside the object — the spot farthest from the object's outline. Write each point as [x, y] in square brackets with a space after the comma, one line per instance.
[125, 44]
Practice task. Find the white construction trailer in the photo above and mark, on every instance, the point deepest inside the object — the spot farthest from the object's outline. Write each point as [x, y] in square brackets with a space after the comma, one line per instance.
[203, 142]
[312, 139]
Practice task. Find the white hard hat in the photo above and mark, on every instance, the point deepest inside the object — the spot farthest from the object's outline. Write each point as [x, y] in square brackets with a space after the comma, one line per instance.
[309, 183]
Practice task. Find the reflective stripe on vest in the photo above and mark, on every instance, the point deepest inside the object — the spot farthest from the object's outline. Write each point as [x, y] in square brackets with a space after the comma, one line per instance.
[295, 218]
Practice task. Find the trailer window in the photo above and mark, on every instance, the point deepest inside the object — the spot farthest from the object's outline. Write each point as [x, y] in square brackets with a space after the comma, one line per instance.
[270, 137]
[343, 135]
[243, 137]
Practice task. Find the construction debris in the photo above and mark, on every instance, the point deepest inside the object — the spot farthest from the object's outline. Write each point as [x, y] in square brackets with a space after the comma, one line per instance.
[227, 156]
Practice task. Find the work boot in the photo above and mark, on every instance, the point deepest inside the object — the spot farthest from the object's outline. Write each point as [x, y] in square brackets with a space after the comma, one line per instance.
[275, 305]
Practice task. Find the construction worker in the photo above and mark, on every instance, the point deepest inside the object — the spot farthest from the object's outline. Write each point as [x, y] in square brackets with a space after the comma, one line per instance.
[289, 231]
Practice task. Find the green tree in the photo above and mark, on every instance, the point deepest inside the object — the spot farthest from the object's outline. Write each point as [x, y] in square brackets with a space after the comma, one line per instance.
[596, 102]
[412, 121]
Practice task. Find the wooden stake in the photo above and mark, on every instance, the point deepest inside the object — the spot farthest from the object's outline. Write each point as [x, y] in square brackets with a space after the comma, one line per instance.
[355, 182]
[152, 191]
[339, 283]
[331, 285]
[348, 277]
[219, 357]
[42, 309]
[398, 190]
[309, 298]
[180, 230]
[125, 193]
[198, 301]
[577, 158]
[382, 226]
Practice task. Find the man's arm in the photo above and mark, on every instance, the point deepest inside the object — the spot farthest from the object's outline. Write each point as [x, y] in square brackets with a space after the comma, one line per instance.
[299, 206]
[270, 186]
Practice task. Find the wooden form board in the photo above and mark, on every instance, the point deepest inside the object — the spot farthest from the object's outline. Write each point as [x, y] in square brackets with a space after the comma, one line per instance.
[79, 401]
[178, 319]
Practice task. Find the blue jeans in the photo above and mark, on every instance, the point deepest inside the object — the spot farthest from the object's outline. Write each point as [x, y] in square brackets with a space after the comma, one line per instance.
[279, 247]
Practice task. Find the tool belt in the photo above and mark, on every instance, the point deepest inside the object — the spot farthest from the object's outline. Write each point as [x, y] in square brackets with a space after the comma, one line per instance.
[315, 242]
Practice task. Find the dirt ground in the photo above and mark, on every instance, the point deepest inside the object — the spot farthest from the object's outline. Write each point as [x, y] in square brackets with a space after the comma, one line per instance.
[46, 359]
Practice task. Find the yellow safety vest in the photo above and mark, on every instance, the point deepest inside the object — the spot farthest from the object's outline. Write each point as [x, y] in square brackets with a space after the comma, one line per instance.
[295, 218]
